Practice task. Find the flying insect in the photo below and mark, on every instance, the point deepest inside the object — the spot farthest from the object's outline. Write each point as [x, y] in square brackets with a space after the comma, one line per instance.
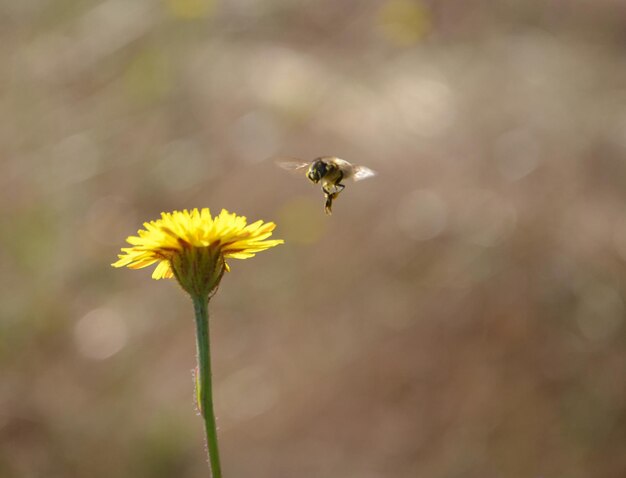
[330, 171]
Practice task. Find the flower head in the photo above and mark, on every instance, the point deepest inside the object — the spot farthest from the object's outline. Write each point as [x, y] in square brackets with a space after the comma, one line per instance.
[193, 246]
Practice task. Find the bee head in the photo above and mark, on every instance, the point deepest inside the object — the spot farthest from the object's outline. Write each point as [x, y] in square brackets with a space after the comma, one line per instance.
[317, 170]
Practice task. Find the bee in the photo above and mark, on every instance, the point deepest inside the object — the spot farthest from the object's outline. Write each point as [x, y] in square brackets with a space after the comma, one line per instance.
[330, 171]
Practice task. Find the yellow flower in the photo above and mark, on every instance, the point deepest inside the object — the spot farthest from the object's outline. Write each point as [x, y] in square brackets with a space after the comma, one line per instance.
[193, 246]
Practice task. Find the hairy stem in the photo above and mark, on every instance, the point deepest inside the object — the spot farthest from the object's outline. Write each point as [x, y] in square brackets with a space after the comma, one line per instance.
[201, 308]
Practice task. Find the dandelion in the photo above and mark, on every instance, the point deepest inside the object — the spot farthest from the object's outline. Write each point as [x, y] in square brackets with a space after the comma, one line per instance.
[193, 247]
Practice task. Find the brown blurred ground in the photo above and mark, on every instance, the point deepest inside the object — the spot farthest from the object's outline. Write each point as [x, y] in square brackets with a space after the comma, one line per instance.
[460, 315]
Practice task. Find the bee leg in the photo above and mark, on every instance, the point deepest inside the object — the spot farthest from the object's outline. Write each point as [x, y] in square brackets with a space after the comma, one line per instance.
[333, 189]
[338, 185]
[328, 207]
[329, 201]
[332, 194]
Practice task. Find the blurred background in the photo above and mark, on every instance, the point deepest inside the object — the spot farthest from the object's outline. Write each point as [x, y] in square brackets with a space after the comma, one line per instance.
[459, 315]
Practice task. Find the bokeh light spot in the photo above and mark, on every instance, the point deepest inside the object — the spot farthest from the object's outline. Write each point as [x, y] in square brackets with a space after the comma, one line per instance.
[404, 22]
[287, 81]
[256, 136]
[100, 334]
[148, 77]
[74, 159]
[425, 104]
[247, 393]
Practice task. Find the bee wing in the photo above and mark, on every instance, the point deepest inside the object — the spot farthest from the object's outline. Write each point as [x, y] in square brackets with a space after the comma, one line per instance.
[362, 172]
[292, 165]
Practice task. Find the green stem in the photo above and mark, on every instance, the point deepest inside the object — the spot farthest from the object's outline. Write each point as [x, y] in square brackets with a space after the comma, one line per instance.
[201, 307]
